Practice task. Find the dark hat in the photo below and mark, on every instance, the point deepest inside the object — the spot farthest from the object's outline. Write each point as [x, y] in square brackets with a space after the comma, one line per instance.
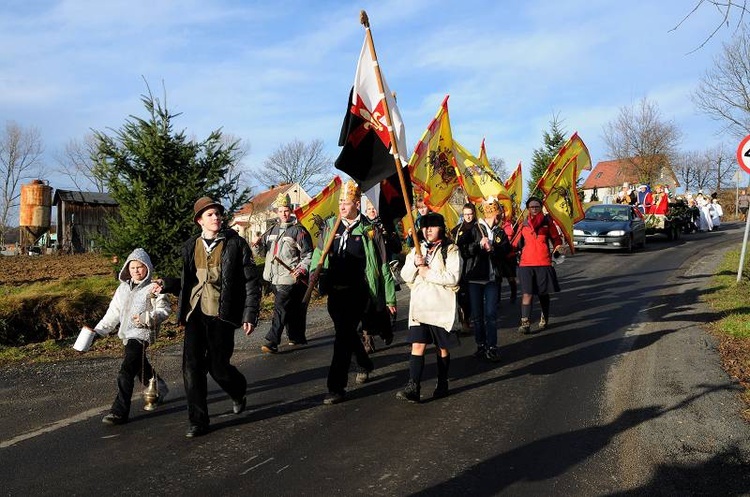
[432, 219]
[204, 203]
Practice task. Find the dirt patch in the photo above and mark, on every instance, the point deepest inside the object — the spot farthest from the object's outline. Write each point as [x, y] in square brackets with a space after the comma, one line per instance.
[19, 270]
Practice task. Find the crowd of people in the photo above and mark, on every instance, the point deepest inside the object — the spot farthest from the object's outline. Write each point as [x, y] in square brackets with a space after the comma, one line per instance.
[704, 212]
[454, 279]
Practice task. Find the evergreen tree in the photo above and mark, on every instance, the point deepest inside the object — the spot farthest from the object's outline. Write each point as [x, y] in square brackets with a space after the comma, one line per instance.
[156, 175]
[554, 139]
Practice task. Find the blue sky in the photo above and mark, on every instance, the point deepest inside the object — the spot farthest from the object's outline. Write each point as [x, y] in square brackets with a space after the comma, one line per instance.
[268, 72]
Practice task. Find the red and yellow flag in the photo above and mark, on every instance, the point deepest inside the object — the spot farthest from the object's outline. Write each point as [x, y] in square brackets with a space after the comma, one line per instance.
[558, 185]
[321, 207]
[431, 166]
[479, 182]
[514, 186]
[483, 156]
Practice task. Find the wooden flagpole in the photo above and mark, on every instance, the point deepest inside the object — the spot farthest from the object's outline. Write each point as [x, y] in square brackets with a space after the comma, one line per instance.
[316, 273]
[365, 21]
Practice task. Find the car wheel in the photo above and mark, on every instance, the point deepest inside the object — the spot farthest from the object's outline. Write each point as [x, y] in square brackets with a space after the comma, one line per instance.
[643, 243]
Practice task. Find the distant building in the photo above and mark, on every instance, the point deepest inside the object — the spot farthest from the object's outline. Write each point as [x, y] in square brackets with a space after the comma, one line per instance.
[608, 177]
[81, 218]
[258, 214]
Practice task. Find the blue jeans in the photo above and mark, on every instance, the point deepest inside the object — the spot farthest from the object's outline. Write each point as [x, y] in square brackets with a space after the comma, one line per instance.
[483, 298]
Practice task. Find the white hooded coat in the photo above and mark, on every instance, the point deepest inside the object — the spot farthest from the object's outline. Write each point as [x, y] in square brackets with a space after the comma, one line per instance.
[132, 299]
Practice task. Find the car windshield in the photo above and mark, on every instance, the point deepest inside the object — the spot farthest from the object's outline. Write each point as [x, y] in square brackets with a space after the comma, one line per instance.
[606, 214]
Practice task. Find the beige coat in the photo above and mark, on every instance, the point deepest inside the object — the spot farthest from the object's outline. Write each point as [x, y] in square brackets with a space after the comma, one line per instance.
[433, 298]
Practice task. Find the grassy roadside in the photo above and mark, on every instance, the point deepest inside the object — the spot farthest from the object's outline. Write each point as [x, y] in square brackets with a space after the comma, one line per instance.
[732, 331]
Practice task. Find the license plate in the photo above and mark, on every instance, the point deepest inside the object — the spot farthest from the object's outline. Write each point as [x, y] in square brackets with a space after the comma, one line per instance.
[593, 239]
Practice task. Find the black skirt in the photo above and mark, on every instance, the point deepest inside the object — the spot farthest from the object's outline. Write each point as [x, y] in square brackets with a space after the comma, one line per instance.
[427, 333]
[538, 280]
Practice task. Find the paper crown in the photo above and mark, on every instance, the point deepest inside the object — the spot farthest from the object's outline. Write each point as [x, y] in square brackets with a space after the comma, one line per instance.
[490, 206]
[283, 200]
[350, 192]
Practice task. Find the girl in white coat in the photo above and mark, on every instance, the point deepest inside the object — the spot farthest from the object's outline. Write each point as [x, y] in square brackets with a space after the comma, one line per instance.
[433, 278]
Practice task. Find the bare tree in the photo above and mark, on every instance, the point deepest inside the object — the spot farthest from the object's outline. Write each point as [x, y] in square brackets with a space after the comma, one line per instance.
[708, 170]
[725, 9]
[78, 162]
[20, 159]
[238, 168]
[296, 162]
[724, 91]
[640, 137]
[499, 168]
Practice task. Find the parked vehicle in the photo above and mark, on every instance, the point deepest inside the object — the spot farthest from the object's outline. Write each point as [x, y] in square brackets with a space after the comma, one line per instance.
[610, 226]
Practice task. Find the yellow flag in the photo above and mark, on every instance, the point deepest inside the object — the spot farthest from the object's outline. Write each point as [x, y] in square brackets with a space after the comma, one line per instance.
[514, 186]
[450, 215]
[558, 185]
[573, 149]
[479, 182]
[431, 166]
[483, 156]
[321, 207]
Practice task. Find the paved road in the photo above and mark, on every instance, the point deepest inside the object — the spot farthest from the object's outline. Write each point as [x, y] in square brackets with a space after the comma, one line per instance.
[622, 396]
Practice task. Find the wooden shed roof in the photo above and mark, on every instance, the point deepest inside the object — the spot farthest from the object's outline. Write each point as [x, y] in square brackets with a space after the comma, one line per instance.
[75, 197]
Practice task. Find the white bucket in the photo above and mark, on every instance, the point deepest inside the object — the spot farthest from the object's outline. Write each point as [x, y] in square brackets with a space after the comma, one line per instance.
[85, 339]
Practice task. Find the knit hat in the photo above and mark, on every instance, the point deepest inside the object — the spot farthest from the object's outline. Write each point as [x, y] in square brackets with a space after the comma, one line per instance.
[204, 203]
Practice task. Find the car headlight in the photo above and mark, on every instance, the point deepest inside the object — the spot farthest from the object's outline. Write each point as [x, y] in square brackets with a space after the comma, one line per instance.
[578, 232]
[616, 233]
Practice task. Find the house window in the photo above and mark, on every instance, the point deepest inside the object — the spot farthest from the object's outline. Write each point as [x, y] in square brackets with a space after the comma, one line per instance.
[598, 175]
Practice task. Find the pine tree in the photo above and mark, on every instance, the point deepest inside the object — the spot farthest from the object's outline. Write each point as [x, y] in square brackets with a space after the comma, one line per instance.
[554, 139]
[156, 174]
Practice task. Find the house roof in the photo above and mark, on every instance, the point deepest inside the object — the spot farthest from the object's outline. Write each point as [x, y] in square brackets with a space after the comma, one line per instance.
[613, 173]
[74, 197]
[264, 200]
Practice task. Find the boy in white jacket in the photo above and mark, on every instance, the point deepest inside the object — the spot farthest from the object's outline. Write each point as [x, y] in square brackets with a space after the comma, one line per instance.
[137, 311]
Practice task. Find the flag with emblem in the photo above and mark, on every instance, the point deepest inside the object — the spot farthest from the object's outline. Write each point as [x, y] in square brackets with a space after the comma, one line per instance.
[367, 153]
[558, 185]
[479, 182]
[514, 187]
[431, 166]
[321, 207]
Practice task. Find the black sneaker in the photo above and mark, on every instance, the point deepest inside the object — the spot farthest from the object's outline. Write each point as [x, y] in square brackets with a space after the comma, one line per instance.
[196, 431]
[294, 343]
[492, 354]
[333, 398]
[238, 406]
[410, 392]
[269, 348]
[481, 351]
[114, 419]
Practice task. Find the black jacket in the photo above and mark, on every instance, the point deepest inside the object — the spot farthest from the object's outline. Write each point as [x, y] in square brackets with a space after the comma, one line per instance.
[239, 298]
[467, 236]
[477, 266]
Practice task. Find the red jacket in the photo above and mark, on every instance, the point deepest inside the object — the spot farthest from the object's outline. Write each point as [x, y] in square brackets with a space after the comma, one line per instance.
[534, 243]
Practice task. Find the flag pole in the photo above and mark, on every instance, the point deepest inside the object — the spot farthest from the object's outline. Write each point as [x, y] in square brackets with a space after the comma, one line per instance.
[316, 274]
[365, 21]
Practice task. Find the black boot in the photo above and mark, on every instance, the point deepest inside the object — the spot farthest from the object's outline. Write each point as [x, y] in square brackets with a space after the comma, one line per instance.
[410, 392]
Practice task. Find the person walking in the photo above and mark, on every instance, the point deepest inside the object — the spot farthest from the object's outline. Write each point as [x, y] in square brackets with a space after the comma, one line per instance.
[466, 236]
[220, 292]
[743, 203]
[433, 278]
[535, 271]
[484, 279]
[355, 277]
[287, 248]
[137, 312]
